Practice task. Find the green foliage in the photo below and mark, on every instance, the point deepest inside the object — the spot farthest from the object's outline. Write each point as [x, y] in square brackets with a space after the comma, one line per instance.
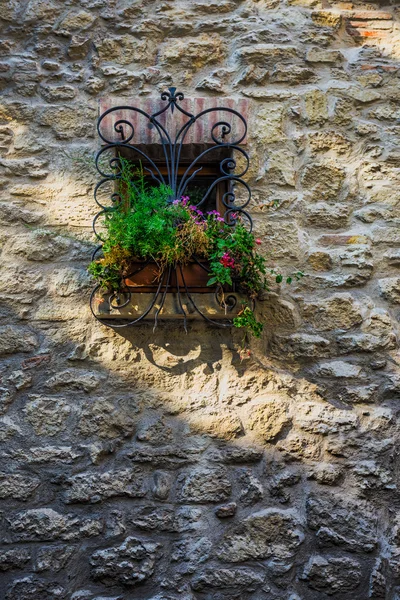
[148, 223]
[246, 319]
[109, 276]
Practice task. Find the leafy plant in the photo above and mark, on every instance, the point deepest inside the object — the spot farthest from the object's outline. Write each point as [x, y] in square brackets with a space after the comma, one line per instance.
[149, 223]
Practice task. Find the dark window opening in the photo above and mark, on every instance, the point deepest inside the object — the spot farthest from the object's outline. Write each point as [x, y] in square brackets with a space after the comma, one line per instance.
[208, 172]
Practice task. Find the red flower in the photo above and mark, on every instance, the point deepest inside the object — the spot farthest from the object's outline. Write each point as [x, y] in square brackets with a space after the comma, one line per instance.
[227, 260]
[258, 241]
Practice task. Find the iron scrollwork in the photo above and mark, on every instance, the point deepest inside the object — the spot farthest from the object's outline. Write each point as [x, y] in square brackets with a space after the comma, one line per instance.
[225, 143]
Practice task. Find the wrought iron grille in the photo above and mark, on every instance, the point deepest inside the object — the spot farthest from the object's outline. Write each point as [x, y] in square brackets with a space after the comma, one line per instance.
[226, 135]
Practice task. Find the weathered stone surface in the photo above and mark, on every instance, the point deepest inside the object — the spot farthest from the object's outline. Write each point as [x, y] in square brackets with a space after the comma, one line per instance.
[326, 473]
[235, 579]
[16, 339]
[17, 486]
[106, 420]
[39, 245]
[194, 53]
[14, 559]
[226, 510]
[300, 345]
[341, 523]
[267, 419]
[339, 311]
[75, 379]
[323, 419]
[332, 574]
[390, 289]
[94, 487]
[47, 415]
[45, 524]
[53, 558]
[128, 564]
[32, 588]
[168, 519]
[204, 485]
[268, 533]
[323, 181]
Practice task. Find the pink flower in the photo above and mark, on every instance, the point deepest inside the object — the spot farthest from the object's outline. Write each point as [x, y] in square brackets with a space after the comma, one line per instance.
[258, 241]
[227, 261]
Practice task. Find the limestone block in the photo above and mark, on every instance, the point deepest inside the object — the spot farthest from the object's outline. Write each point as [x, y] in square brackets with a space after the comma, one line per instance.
[167, 519]
[293, 74]
[326, 18]
[11, 212]
[95, 487]
[300, 345]
[124, 50]
[390, 289]
[323, 419]
[339, 369]
[189, 556]
[77, 21]
[75, 379]
[19, 487]
[242, 579]
[69, 122]
[79, 47]
[316, 107]
[104, 419]
[332, 574]
[68, 281]
[320, 261]
[41, 10]
[45, 524]
[128, 564]
[335, 216]
[14, 559]
[53, 558]
[267, 419]
[32, 588]
[342, 522]
[264, 54]
[270, 124]
[194, 53]
[47, 415]
[323, 181]
[19, 167]
[329, 140]
[204, 485]
[339, 311]
[283, 239]
[57, 93]
[270, 533]
[324, 56]
[326, 473]
[225, 426]
[14, 339]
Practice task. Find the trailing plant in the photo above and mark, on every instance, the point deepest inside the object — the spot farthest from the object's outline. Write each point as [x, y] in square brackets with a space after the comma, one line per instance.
[149, 223]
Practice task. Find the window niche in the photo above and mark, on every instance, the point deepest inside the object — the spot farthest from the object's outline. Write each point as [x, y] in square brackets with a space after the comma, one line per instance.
[195, 147]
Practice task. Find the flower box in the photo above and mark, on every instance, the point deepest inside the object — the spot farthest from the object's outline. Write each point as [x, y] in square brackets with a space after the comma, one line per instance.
[145, 277]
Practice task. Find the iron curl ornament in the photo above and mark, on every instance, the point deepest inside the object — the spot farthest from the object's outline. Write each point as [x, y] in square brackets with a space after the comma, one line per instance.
[170, 127]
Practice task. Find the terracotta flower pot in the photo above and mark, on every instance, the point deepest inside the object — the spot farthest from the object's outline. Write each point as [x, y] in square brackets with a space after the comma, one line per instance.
[145, 277]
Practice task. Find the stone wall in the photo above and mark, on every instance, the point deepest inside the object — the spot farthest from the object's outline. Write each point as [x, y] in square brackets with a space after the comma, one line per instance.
[159, 466]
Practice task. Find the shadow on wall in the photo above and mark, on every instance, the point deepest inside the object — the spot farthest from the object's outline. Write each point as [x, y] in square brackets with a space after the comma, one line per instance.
[171, 470]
